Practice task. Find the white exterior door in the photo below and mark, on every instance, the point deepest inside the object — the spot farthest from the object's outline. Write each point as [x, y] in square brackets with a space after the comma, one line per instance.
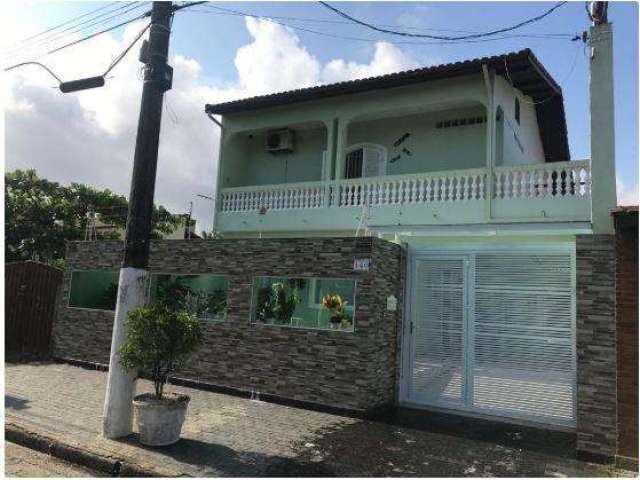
[439, 303]
[493, 332]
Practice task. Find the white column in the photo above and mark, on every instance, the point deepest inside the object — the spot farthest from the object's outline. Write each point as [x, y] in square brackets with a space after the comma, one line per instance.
[603, 163]
[488, 77]
[117, 418]
[341, 145]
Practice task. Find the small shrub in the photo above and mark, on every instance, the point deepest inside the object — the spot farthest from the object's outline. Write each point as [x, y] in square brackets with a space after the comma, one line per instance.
[159, 341]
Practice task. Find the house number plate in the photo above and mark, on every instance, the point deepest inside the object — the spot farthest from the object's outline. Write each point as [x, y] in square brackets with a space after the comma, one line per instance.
[362, 264]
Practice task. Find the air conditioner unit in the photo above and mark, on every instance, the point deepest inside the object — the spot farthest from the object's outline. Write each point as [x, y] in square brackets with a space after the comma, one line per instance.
[280, 141]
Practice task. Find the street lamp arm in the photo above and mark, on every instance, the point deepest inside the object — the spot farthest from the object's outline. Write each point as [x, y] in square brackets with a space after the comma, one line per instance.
[34, 63]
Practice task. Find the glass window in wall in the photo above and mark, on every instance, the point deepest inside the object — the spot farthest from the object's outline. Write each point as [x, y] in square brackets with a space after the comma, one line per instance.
[205, 296]
[94, 289]
[321, 303]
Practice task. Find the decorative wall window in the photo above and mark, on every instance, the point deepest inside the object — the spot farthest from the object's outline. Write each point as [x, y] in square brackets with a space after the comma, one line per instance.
[94, 289]
[204, 296]
[365, 160]
[517, 110]
[317, 303]
[460, 122]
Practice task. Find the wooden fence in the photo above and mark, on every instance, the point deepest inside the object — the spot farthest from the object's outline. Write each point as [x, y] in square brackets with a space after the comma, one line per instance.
[31, 289]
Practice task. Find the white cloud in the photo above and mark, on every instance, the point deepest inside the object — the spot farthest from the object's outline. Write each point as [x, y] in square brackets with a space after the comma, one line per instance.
[275, 60]
[627, 195]
[89, 137]
[387, 58]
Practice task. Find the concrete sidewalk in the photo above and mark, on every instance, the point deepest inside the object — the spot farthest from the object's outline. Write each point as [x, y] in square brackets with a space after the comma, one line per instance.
[230, 436]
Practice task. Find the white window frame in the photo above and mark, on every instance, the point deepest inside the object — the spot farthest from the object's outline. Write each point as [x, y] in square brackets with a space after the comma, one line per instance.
[357, 146]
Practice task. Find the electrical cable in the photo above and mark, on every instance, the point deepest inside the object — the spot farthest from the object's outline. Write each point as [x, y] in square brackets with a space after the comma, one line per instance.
[64, 23]
[186, 5]
[57, 36]
[111, 66]
[34, 63]
[555, 92]
[443, 37]
[342, 22]
[126, 50]
[126, 22]
[360, 39]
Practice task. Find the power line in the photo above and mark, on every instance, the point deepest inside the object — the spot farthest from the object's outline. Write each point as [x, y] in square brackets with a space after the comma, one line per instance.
[74, 28]
[64, 23]
[126, 22]
[126, 50]
[443, 37]
[555, 92]
[109, 68]
[361, 39]
[344, 22]
[186, 5]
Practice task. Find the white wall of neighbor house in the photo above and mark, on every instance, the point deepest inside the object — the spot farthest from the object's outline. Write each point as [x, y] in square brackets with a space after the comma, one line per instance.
[427, 148]
[521, 143]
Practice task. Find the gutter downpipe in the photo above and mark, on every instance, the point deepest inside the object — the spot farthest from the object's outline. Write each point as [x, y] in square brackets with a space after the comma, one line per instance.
[488, 82]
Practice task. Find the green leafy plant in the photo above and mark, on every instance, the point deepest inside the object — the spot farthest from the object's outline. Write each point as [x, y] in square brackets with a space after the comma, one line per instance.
[284, 303]
[215, 303]
[159, 341]
[174, 292]
[41, 216]
[264, 304]
[278, 301]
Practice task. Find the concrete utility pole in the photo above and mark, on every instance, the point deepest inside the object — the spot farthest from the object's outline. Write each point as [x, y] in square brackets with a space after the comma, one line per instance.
[603, 162]
[134, 274]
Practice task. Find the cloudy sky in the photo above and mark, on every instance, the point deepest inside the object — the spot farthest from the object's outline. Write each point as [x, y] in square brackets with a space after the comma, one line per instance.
[219, 55]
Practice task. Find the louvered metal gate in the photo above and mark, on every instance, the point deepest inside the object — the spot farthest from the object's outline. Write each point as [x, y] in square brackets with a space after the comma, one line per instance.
[493, 332]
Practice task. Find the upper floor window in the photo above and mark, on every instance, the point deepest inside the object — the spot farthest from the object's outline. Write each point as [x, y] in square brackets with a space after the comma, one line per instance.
[517, 110]
[365, 160]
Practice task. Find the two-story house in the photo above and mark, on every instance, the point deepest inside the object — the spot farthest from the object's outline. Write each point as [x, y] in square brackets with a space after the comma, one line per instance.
[421, 238]
[468, 165]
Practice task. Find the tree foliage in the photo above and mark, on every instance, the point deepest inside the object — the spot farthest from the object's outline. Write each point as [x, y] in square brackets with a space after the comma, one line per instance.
[159, 341]
[41, 215]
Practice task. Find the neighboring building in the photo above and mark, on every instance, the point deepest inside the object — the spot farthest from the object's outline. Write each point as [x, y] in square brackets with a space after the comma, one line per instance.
[98, 229]
[488, 287]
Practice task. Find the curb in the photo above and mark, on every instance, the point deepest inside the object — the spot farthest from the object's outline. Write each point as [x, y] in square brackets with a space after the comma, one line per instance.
[102, 463]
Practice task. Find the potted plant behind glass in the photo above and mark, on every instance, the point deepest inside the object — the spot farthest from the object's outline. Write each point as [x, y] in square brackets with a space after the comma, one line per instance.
[335, 305]
[284, 303]
[159, 341]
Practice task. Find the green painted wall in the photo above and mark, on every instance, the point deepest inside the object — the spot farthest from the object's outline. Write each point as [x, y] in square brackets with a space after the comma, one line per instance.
[432, 149]
[254, 165]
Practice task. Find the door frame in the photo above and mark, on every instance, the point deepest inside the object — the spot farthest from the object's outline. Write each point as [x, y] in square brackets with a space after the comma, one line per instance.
[409, 339]
[414, 253]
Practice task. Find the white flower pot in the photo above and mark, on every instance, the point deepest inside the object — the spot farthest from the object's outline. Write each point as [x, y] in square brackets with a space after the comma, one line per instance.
[160, 421]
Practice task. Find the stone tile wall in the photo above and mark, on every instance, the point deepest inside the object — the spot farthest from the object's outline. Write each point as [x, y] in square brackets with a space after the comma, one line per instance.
[348, 370]
[627, 331]
[596, 344]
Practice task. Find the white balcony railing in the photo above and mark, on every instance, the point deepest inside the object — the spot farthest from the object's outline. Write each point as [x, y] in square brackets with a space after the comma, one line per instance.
[288, 196]
[451, 186]
[558, 181]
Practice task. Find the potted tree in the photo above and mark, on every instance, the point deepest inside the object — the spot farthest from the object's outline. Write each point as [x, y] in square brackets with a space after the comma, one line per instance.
[159, 341]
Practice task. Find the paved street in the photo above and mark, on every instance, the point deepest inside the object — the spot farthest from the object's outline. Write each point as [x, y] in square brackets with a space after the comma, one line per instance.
[23, 462]
[230, 436]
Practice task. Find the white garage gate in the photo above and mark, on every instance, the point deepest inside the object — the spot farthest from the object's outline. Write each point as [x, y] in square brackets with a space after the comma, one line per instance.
[492, 330]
